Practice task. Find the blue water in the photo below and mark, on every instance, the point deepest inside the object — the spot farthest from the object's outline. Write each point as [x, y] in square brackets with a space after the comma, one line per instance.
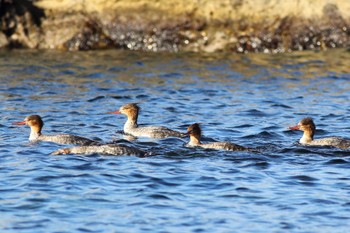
[247, 99]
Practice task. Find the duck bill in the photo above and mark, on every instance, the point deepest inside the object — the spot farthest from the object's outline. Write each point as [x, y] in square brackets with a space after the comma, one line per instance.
[19, 123]
[296, 127]
[115, 112]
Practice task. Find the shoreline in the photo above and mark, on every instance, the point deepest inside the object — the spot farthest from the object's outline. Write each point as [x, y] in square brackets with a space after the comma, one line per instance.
[237, 26]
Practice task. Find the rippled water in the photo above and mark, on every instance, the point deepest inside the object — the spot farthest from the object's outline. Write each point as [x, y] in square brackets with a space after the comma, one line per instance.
[246, 99]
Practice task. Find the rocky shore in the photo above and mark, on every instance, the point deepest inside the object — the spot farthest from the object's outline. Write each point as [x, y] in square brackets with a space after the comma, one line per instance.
[269, 26]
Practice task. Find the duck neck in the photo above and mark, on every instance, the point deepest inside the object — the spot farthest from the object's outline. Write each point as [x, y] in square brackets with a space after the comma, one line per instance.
[194, 140]
[131, 121]
[308, 136]
[35, 132]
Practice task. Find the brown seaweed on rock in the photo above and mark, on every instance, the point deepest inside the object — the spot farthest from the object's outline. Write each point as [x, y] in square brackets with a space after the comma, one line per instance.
[20, 21]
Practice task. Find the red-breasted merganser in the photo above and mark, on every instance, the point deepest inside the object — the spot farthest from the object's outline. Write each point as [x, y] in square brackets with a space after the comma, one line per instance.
[131, 127]
[36, 124]
[107, 149]
[195, 133]
[307, 125]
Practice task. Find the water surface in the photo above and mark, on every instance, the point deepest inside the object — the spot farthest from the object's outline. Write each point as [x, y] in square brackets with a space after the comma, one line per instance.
[247, 99]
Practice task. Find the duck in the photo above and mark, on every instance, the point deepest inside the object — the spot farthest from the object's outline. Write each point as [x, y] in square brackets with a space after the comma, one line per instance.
[105, 149]
[308, 126]
[131, 127]
[194, 132]
[36, 124]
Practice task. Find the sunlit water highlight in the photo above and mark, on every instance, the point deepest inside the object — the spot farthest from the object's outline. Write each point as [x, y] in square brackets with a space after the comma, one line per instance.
[246, 99]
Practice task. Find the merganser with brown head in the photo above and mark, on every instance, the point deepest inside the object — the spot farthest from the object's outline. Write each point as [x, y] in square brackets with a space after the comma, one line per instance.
[308, 126]
[36, 124]
[131, 127]
[107, 149]
[195, 133]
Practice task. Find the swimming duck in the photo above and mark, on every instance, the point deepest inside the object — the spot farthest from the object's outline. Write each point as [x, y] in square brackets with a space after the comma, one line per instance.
[106, 149]
[36, 124]
[131, 127]
[195, 133]
[308, 126]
